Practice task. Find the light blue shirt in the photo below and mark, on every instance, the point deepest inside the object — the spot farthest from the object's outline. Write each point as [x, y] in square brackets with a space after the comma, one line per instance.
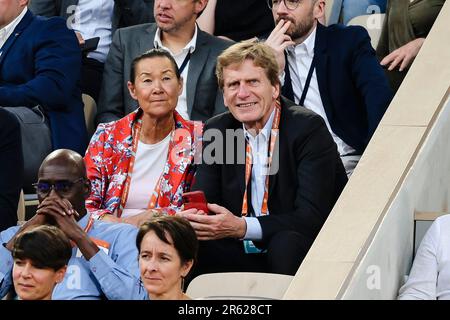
[111, 273]
[259, 145]
[93, 18]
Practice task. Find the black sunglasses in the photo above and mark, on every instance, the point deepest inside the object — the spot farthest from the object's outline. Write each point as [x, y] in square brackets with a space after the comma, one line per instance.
[61, 187]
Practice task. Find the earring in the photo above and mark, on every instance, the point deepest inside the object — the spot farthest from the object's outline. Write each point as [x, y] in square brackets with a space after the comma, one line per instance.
[182, 284]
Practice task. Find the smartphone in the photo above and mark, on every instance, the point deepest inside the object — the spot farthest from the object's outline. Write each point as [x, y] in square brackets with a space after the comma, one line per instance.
[90, 44]
[195, 199]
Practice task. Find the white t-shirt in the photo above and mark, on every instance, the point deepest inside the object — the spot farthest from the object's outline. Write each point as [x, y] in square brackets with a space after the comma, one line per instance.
[430, 274]
[148, 166]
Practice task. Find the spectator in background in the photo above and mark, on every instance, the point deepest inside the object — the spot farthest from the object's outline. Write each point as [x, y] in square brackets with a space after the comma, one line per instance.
[272, 182]
[345, 10]
[142, 163]
[167, 248]
[40, 64]
[195, 53]
[41, 255]
[405, 28]
[104, 261]
[332, 71]
[95, 18]
[429, 278]
[237, 20]
[11, 169]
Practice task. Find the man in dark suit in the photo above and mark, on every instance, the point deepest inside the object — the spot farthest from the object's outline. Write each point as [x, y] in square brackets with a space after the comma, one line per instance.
[271, 172]
[194, 51]
[95, 18]
[332, 71]
[40, 64]
[11, 169]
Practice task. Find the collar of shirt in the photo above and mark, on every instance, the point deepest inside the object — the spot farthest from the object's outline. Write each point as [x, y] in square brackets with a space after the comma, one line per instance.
[306, 47]
[263, 133]
[6, 31]
[189, 47]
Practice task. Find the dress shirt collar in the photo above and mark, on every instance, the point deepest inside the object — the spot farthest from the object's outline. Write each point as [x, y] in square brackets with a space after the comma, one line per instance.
[84, 221]
[157, 43]
[306, 47]
[6, 31]
[265, 131]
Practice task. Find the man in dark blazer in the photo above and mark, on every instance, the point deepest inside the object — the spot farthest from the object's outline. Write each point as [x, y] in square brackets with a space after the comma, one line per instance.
[175, 29]
[40, 64]
[11, 169]
[91, 19]
[347, 86]
[305, 177]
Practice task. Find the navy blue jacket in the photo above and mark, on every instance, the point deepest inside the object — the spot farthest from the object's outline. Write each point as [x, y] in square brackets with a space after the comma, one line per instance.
[40, 63]
[354, 89]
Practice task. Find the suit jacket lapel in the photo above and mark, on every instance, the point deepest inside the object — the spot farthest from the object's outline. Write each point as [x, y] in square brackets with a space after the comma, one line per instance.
[147, 42]
[321, 53]
[23, 24]
[196, 64]
[287, 90]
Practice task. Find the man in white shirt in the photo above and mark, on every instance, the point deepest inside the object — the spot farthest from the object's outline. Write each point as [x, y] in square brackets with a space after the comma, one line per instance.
[194, 51]
[332, 71]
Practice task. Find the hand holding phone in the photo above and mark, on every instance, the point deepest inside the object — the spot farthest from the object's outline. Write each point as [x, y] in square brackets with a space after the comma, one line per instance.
[89, 44]
[196, 200]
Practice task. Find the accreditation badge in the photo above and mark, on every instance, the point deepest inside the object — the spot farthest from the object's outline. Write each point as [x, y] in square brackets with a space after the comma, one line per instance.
[101, 244]
[250, 247]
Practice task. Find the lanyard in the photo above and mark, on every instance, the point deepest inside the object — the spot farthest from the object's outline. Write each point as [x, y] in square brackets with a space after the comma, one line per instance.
[248, 163]
[126, 188]
[308, 80]
[185, 62]
[89, 224]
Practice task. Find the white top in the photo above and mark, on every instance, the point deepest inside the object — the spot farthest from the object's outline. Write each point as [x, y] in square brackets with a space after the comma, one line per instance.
[430, 274]
[299, 59]
[259, 145]
[6, 31]
[148, 166]
[179, 58]
[93, 18]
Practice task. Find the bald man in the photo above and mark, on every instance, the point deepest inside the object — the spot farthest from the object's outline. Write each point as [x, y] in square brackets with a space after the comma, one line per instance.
[104, 260]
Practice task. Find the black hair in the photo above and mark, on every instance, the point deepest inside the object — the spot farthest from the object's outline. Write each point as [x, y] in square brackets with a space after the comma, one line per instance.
[46, 246]
[153, 53]
[180, 230]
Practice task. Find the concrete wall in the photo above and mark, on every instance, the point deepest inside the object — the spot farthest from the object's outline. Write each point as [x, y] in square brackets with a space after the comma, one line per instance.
[404, 168]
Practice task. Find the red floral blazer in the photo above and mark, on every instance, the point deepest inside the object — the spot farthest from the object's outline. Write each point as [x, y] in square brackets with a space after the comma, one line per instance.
[109, 155]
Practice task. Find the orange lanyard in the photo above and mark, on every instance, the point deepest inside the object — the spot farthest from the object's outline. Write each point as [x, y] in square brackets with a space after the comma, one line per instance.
[89, 224]
[126, 188]
[249, 161]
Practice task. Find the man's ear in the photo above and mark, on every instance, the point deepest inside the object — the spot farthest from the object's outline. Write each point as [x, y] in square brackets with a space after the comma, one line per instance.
[200, 5]
[319, 10]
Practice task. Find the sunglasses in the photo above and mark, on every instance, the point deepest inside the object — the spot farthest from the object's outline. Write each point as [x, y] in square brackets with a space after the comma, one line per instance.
[62, 187]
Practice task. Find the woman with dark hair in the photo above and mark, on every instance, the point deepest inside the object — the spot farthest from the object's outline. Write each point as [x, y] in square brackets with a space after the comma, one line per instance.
[141, 164]
[167, 248]
[41, 255]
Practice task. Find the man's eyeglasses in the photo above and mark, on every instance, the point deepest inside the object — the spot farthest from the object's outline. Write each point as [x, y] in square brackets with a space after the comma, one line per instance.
[62, 187]
[289, 4]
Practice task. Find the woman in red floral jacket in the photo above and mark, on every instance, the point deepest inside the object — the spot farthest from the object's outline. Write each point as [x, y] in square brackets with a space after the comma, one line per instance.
[141, 164]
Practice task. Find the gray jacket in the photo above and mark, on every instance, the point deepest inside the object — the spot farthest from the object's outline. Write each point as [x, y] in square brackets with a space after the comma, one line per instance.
[204, 99]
